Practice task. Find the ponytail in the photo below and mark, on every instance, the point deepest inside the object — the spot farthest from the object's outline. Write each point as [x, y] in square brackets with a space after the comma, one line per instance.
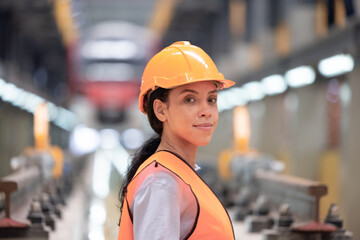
[150, 146]
[139, 157]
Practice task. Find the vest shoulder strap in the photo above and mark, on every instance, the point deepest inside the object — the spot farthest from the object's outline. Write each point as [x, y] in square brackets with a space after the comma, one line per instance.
[168, 159]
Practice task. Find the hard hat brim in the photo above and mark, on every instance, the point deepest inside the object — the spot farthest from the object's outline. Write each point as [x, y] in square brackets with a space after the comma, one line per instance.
[223, 83]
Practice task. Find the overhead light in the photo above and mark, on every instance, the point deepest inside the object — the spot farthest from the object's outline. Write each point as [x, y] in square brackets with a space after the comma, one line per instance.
[65, 119]
[109, 138]
[122, 160]
[97, 213]
[110, 49]
[101, 174]
[132, 138]
[223, 102]
[233, 97]
[33, 102]
[254, 90]
[96, 234]
[21, 99]
[53, 111]
[300, 76]
[274, 84]
[10, 92]
[238, 95]
[25, 101]
[336, 65]
[97, 217]
[84, 140]
[29, 102]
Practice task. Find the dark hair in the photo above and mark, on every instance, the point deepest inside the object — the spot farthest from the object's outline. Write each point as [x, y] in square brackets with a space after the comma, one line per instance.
[150, 146]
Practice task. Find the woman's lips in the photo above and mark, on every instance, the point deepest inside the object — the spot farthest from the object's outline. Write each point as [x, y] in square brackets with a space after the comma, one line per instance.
[204, 126]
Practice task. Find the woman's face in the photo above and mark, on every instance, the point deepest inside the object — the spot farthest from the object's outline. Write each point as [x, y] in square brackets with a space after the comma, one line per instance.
[192, 113]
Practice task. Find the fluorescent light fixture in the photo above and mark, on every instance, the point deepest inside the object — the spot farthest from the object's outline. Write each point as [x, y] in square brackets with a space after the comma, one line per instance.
[96, 234]
[239, 97]
[97, 215]
[10, 92]
[53, 111]
[254, 90]
[221, 102]
[109, 138]
[21, 99]
[28, 101]
[26, 105]
[300, 76]
[65, 119]
[34, 102]
[97, 218]
[132, 138]
[121, 160]
[110, 49]
[84, 140]
[336, 65]
[274, 84]
[101, 174]
[224, 101]
[233, 97]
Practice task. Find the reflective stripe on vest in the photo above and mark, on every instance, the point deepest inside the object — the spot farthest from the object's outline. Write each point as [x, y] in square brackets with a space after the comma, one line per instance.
[212, 221]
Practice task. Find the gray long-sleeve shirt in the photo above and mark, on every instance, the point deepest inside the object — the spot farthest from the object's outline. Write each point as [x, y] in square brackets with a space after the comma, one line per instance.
[164, 207]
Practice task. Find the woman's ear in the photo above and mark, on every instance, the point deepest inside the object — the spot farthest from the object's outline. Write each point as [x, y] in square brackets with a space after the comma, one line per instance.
[159, 108]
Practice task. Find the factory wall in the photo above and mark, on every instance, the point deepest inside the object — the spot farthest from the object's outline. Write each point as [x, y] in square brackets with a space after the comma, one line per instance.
[16, 128]
[349, 161]
[16, 134]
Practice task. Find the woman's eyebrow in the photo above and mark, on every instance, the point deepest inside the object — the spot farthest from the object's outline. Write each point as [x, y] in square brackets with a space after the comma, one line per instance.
[189, 90]
[193, 91]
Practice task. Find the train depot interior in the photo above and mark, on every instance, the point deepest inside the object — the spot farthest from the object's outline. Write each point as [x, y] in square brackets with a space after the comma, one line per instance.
[283, 160]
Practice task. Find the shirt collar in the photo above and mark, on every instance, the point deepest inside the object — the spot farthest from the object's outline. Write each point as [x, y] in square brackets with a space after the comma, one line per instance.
[197, 167]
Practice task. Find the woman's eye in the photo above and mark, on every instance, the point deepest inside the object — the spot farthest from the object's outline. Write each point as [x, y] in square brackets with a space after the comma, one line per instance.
[189, 100]
[212, 100]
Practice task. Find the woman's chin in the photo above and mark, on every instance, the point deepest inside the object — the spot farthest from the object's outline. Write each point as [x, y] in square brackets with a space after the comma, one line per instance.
[204, 142]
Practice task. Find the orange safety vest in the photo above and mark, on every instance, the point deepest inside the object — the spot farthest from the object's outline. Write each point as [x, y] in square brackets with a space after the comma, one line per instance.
[212, 220]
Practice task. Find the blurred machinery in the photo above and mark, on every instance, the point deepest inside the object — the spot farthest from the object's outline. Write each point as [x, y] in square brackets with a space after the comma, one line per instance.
[32, 198]
[269, 204]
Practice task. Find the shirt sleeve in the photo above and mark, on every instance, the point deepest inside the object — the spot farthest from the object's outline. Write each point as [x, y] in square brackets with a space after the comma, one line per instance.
[156, 209]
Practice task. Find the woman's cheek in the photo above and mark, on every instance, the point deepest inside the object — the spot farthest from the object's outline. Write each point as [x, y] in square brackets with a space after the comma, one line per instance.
[216, 116]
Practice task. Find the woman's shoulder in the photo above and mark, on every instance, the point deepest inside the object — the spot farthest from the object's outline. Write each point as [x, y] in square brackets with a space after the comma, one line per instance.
[163, 178]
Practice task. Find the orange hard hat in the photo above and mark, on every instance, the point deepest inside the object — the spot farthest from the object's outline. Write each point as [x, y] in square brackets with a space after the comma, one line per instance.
[178, 64]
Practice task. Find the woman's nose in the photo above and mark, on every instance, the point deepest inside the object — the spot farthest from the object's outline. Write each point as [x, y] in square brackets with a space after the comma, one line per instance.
[205, 110]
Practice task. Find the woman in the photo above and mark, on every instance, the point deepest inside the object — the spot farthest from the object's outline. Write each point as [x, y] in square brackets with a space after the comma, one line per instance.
[162, 196]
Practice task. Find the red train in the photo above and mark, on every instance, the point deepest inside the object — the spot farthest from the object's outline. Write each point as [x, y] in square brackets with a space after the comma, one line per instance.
[107, 63]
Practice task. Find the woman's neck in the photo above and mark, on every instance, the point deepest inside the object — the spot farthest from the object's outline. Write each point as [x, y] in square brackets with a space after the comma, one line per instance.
[185, 150]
